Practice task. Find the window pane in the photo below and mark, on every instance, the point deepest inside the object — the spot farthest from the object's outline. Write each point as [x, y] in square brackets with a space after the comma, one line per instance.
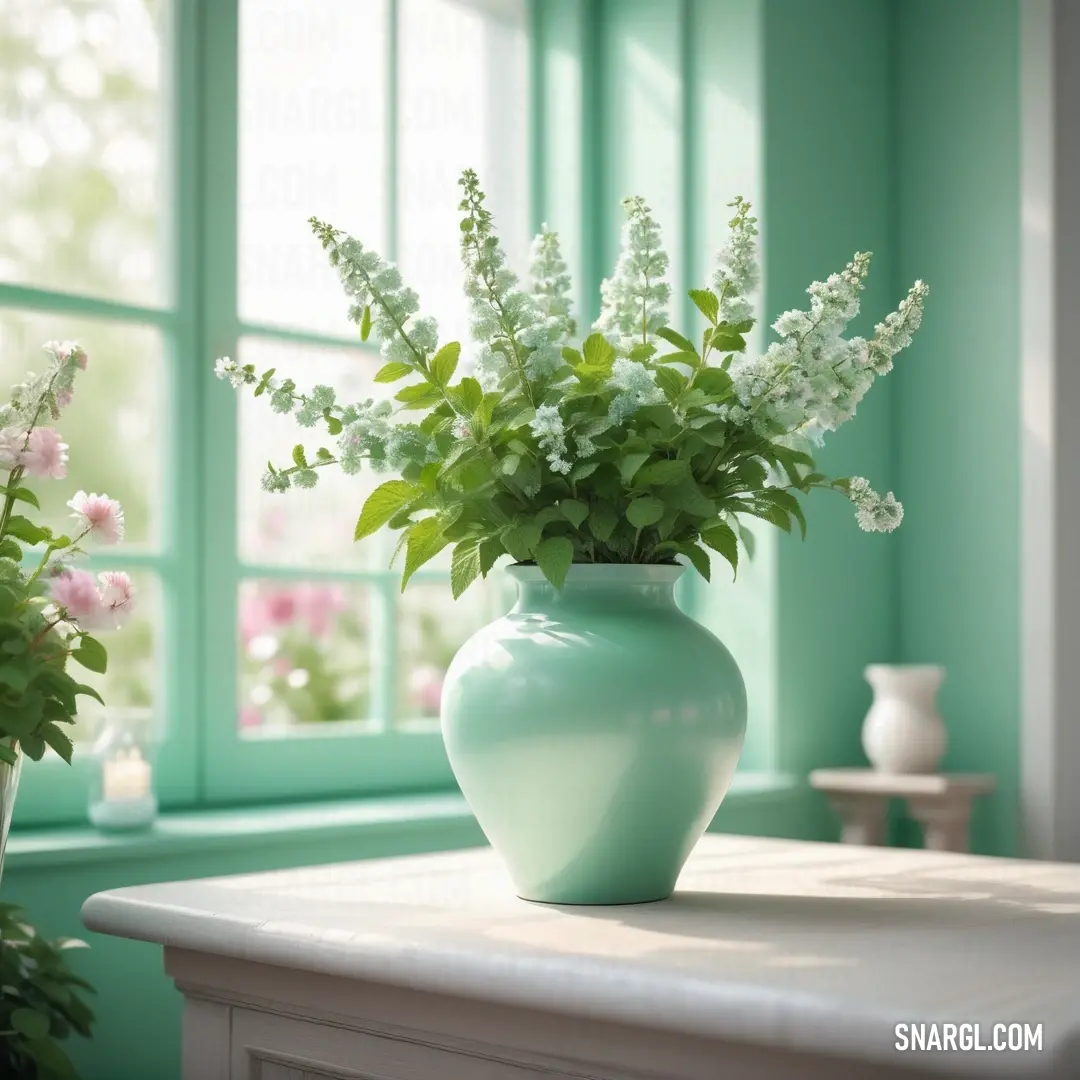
[314, 527]
[305, 656]
[114, 424]
[463, 88]
[81, 138]
[132, 680]
[312, 135]
[431, 627]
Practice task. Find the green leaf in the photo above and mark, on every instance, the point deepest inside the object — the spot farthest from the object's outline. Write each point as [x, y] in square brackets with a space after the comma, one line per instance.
[672, 382]
[333, 424]
[643, 350]
[554, 556]
[526, 416]
[721, 538]
[582, 470]
[22, 494]
[681, 357]
[689, 497]
[419, 395]
[91, 654]
[646, 510]
[630, 465]
[574, 510]
[490, 550]
[58, 739]
[51, 1060]
[30, 1023]
[786, 501]
[769, 511]
[486, 409]
[425, 541]
[510, 464]
[25, 530]
[602, 521]
[8, 755]
[678, 341]
[365, 323]
[10, 550]
[699, 559]
[662, 472]
[33, 745]
[298, 456]
[598, 352]
[713, 381]
[724, 339]
[706, 302]
[445, 363]
[469, 393]
[752, 474]
[747, 538]
[382, 504]
[572, 357]
[14, 677]
[521, 539]
[464, 566]
[393, 371]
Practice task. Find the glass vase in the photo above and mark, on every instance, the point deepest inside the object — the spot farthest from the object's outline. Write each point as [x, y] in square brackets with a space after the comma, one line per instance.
[122, 790]
[9, 786]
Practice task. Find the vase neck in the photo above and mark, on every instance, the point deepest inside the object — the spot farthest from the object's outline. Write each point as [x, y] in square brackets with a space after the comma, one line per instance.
[918, 683]
[594, 587]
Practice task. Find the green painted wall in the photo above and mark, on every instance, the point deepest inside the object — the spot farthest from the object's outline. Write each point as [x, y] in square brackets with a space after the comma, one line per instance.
[829, 187]
[958, 450]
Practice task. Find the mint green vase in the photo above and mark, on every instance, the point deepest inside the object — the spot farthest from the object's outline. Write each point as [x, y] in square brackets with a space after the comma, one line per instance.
[594, 732]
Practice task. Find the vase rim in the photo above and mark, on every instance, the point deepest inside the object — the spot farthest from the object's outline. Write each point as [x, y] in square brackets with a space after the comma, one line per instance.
[604, 573]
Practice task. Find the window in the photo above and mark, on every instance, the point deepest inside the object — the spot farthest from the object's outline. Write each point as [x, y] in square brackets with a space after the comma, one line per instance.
[160, 160]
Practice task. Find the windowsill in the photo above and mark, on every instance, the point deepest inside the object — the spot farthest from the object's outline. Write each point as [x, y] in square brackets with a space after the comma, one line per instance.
[207, 830]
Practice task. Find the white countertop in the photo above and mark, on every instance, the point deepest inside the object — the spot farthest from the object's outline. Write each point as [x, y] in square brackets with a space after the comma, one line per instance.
[816, 947]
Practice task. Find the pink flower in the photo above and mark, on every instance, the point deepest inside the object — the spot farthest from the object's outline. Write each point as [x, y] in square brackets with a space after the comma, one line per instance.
[64, 396]
[117, 594]
[281, 607]
[425, 688]
[250, 717]
[45, 454]
[100, 516]
[76, 592]
[320, 604]
[66, 351]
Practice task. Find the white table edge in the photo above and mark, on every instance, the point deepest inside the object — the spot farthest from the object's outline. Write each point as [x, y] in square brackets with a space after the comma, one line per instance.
[679, 1005]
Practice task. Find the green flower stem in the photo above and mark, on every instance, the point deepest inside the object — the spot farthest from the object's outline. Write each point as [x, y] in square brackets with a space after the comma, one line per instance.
[16, 474]
[473, 238]
[14, 478]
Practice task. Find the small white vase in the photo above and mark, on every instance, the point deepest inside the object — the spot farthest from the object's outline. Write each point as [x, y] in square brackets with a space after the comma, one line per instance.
[903, 732]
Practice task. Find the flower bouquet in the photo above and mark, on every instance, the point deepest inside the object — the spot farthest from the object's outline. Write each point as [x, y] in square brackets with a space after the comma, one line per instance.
[597, 467]
[47, 607]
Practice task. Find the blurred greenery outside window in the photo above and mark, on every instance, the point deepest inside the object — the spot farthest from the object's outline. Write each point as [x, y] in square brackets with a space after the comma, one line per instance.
[158, 161]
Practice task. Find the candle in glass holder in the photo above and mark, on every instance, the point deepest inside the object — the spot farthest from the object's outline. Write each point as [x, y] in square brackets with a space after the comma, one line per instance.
[125, 776]
[127, 800]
